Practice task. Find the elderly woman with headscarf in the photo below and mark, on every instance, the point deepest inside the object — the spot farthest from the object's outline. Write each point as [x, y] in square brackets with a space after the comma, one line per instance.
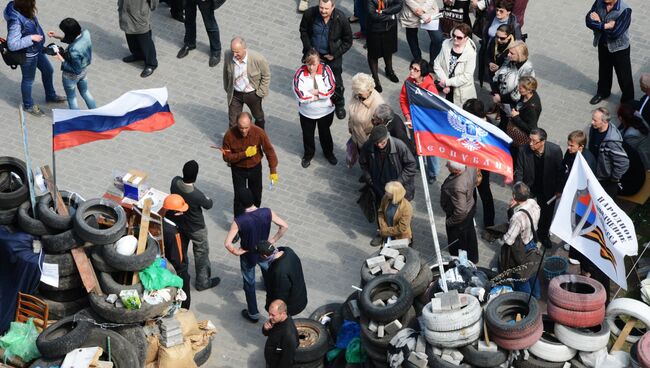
[395, 213]
[365, 100]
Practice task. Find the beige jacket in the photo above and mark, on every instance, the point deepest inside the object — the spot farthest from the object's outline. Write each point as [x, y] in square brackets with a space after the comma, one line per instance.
[259, 73]
[401, 228]
[360, 121]
[407, 17]
[463, 79]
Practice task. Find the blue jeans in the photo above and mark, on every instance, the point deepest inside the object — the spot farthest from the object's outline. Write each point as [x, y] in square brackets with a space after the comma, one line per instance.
[526, 286]
[70, 86]
[248, 275]
[28, 69]
[433, 167]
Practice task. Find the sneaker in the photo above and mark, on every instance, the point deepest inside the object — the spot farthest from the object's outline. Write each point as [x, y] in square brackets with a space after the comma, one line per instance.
[305, 163]
[213, 282]
[214, 60]
[36, 111]
[247, 316]
[57, 99]
[332, 160]
[376, 241]
[340, 112]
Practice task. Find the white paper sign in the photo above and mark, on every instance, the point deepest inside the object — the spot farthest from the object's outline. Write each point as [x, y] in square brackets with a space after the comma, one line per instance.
[431, 26]
[50, 274]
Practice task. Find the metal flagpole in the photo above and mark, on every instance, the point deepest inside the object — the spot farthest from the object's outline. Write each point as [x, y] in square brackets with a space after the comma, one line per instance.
[28, 160]
[432, 221]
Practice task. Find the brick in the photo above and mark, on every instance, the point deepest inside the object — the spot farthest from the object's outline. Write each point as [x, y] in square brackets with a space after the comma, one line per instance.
[385, 268]
[418, 359]
[392, 300]
[483, 346]
[399, 264]
[380, 331]
[379, 303]
[436, 304]
[372, 326]
[389, 252]
[398, 244]
[421, 344]
[375, 270]
[393, 327]
[375, 261]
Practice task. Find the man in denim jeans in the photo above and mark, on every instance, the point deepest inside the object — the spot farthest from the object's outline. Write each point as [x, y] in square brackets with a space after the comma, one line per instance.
[211, 27]
[253, 226]
[191, 225]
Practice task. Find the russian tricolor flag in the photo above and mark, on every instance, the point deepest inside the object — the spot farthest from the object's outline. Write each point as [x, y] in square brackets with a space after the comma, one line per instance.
[144, 110]
[442, 129]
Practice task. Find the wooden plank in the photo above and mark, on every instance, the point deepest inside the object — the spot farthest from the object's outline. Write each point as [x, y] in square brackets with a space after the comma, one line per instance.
[59, 205]
[620, 340]
[144, 232]
[102, 364]
[86, 271]
[485, 332]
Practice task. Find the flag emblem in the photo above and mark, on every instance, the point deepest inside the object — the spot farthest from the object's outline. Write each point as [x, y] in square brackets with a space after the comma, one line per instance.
[471, 135]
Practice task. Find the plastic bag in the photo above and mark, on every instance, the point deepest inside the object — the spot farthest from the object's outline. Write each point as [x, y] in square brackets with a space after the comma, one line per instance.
[156, 276]
[20, 341]
[348, 331]
[355, 354]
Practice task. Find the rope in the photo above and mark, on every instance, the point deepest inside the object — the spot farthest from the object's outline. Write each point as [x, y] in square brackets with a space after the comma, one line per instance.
[645, 247]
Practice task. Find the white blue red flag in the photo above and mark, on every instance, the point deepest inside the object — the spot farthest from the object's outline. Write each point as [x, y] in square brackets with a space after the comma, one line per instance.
[589, 220]
[442, 129]
[144, 110]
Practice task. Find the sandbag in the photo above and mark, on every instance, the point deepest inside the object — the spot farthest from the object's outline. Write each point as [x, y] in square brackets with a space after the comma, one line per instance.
[177, 356]
[188, 322]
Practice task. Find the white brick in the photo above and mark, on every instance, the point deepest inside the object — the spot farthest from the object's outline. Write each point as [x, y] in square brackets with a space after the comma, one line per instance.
[393, 327]
[389, 252]
[372, 326]
[380, 331]
[399, 264]
[375, 261]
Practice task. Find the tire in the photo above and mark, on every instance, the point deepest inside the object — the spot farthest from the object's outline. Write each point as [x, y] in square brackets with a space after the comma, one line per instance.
[60, 310]
[346, 312]
[618, 324]
[500, 313]
[62, 337]
[386, 283]
[8, 217]
[407, 320]
[13, 197]
[131, 263]
[454, 319]
[577, 293]
[643, 350]
[201, 357]
[437, 362]
[63, 296]
[333, 311]
[534, 362]
[64, 261]
[373, 352]
[98, 261]
[46, 213]
[454, 339]
[72, 281]
[62, 242]
[422, 280]
[136, 337]
[629, 307]
[27, 223]
[123, 354]
[576, 319]
[521, 342]
[110, 286]
[122, 315]
[313, 340]
[99, 206]
[482, 359]
[583, 339]
[409, 271]
[549, 347]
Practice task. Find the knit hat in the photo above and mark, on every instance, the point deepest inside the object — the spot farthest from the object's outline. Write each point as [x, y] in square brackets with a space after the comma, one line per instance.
[190, 171]
[245, 197]
[265, 248]
[378, 133]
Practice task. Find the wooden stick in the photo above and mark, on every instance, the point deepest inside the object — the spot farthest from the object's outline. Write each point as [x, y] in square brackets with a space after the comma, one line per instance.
[144, 232]
[59, 205]
[621, 338]
[485, 333]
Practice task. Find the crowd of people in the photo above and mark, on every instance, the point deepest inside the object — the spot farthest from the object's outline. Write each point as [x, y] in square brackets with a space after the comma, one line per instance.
[471, 42]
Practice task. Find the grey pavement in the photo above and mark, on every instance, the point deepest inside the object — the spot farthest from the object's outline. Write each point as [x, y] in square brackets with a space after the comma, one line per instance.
[325, 225]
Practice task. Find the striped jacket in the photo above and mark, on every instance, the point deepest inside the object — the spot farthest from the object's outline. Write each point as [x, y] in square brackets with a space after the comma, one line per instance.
[310, 105]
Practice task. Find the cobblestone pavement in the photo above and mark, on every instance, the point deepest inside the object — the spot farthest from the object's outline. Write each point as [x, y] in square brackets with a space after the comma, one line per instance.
[326, 227]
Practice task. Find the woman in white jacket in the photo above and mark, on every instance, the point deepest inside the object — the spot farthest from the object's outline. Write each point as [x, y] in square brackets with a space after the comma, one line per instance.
[313, 86]
[455, 64]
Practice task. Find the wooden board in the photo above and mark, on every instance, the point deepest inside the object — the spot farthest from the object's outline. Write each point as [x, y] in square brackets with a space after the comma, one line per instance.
[59, 205]
[144, 232]
[620, 340]
[86, 271]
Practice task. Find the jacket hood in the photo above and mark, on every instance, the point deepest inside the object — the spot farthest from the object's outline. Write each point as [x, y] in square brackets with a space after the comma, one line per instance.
[613, 134]
[10, 13]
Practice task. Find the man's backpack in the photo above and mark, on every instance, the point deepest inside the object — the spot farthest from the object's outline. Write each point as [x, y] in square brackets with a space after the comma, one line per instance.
[12, 58]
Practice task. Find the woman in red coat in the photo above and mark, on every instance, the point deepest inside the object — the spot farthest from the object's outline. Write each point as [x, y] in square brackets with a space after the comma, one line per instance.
[419, 74]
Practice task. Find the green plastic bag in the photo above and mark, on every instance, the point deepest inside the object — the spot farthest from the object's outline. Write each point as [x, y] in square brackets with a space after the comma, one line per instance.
[355, 353]
[157, 276]
[20, 341]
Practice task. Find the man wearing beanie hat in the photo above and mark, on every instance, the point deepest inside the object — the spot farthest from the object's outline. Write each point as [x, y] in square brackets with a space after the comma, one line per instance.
[253, 226]
[192, 224]
[383, 159]
[284, 278]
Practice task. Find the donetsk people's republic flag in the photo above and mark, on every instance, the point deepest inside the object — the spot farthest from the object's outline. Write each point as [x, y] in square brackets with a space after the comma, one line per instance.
[144, 110]
[442, 129]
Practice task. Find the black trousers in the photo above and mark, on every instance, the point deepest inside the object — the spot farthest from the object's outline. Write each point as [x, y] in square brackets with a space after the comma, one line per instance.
[465, 234]
[619, 61]
[247, 178]
[250, 99]
[545, 219]
[324, 135]
[209, 20]
[176, 6]
[337, 69]
[486, 197]
[142, 47]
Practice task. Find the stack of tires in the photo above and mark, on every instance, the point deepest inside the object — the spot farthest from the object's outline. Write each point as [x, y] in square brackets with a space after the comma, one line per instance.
[13, 188]
[506, 331]
[313, 344]
[380, 321]
[577, 306]
[640, 352]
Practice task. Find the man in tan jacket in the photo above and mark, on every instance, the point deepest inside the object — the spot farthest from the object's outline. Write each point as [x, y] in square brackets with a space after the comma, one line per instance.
[246, 79]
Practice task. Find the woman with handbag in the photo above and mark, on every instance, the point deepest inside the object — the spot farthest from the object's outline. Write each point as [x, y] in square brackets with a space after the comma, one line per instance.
[416, 13]
[520, 249]
[382, 37]
[313, 86]
[25, 34]
[525, 114]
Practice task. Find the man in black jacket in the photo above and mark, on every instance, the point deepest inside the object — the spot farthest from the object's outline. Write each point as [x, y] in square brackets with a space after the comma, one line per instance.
[327, 29]
[282, 341]
[192, 225]
[540, 167]
[284, 278]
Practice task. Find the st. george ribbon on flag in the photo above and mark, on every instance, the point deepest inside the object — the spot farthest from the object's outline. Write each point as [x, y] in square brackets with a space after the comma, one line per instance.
[444, 130]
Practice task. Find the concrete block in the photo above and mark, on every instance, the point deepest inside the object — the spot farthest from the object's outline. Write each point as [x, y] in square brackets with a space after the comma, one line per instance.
[389, 252]
[375, 261]
[437, 351]
[354, 308]
[391, 262]
[111, 298]
[483, 346]
[419, 360]
[385, 268]
[392, 300]
[171, 334]
[393, 327]
[398, 244]
[372, 326]
[436, 304]
[380, 331]
[401, 257]
[375, 270]
[450, 300]
[399, 264]
[457, 355]
[421, 344]
[379, 302]
[449, 359]
[526, 354]
[169, 342]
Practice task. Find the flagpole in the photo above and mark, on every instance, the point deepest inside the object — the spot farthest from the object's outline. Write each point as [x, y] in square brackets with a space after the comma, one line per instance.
[432, 221]
[28, 160]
